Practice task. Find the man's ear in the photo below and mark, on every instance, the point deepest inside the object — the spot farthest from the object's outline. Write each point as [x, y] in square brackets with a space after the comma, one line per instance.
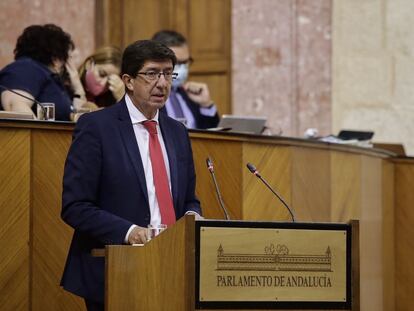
[128, 82]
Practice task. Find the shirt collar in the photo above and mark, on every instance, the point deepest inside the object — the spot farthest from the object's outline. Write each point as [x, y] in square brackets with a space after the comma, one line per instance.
[136, 115]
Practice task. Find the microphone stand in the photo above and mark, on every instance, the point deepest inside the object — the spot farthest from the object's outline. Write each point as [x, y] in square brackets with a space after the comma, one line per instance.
[211, 169]
[255, 172]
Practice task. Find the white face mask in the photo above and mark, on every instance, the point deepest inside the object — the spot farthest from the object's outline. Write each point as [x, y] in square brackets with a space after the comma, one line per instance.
[182, 70]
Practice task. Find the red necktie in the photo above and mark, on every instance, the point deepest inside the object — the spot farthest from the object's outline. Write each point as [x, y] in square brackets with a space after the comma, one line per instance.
[159, 173]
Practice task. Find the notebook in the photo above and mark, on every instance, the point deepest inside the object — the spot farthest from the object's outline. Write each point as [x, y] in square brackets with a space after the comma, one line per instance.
[241, 124]
[359, 135]
[16, 115]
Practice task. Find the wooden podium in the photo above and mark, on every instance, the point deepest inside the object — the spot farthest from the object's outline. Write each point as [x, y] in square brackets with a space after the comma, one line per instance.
[206, 265]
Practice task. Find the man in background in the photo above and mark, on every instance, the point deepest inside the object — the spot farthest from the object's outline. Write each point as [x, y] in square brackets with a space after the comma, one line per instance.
[189, 100]
[128, 166]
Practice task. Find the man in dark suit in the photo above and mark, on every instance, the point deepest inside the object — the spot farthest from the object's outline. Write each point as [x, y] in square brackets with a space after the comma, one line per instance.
[119, 160]
[188, 100]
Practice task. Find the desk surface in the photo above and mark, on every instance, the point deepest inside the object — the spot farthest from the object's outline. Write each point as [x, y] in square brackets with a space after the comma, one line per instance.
[228, 136]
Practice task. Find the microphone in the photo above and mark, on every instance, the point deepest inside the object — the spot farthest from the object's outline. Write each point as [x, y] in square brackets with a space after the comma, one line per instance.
[255, 172]
[210, 167]
[24, 96]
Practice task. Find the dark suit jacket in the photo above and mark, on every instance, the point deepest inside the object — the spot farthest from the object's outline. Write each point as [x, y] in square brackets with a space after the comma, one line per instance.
[202, 121]
[104, 189]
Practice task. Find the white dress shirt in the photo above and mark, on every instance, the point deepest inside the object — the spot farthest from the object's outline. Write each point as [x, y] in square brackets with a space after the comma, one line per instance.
[142, 137]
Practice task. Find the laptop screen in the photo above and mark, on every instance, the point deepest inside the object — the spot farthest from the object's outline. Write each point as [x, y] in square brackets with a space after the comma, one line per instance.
[242, 124]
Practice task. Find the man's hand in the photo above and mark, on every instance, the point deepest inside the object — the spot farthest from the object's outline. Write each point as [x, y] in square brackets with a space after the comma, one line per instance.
[198, 92]
[138, 235]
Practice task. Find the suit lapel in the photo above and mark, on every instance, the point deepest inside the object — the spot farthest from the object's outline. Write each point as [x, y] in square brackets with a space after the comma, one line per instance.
[172, 157]
[130, 142]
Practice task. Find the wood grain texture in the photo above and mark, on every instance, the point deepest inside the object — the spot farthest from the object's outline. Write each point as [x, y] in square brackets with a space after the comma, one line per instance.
[356, 270]
[357, 193]
[274, 164]
[51, 236]
[210, 34]
[360, 182]
[388, 229]
[311, 184]
[404, 233]
[345, 187]
[157, 276]
[371, 238]
[14, 219]
[108, 24]
[227, 160]
[205, 23]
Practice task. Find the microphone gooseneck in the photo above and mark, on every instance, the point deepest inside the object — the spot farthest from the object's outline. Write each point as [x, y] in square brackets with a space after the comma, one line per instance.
[255, 172]
[210, 167]
[24, 96]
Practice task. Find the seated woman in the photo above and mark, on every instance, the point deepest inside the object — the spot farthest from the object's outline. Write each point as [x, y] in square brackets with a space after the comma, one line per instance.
[99, 74]
[41, 59]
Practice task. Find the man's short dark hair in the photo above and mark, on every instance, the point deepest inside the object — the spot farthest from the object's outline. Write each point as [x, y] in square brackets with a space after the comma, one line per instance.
[44, 43]
[137, 53]
[169, 38]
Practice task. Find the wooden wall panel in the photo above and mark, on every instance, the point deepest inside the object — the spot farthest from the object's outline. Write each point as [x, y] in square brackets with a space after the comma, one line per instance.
[51, 236]
[404, 233]
[311, 184]
[228, 175]
[274, 164]
[361, 187]
[357, 193]
[142, 18]
[388, 229]
[108, 23]
[371, 239]
[205, 23]
[14, 219]
[345, 186]
[209, 34]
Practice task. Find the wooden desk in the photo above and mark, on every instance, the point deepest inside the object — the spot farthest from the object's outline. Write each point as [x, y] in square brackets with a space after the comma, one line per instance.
[321, 182]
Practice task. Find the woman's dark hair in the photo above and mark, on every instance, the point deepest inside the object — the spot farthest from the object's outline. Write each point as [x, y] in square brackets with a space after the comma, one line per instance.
[137, 53]
[44, 43]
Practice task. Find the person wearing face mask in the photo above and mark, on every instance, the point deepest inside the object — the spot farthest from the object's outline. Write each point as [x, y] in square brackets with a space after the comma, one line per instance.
[42, 55]
[189, 101]
[99, 74]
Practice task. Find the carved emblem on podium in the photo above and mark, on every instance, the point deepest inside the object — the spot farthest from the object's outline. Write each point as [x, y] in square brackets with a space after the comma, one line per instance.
[274, 259]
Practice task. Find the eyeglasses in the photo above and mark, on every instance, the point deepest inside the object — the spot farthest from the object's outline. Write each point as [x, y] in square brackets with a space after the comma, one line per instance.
[155, 75]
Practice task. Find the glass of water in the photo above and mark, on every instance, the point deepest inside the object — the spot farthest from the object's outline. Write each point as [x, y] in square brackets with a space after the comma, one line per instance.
[46, 111]
[154, 230]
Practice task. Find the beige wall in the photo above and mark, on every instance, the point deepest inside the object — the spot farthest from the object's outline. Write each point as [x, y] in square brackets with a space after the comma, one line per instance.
[281, 63]
[77, 17]
[373, 68]
[281, 59]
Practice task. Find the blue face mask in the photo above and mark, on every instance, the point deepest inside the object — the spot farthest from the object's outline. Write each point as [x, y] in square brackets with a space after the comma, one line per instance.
[182, 70]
